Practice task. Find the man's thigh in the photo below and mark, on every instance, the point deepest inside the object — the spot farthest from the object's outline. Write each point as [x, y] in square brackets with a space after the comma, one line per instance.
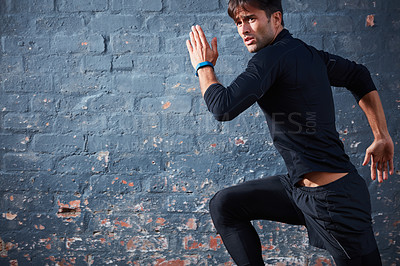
[262, 199]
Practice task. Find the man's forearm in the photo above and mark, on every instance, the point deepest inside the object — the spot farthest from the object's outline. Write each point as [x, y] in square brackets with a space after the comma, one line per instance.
[372, 107]
[206, 78]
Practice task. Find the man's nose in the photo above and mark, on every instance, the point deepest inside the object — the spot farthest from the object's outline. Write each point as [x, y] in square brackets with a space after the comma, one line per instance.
[245, 28]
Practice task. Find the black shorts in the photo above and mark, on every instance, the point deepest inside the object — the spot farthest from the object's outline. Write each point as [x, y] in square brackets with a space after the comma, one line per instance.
[337, 215]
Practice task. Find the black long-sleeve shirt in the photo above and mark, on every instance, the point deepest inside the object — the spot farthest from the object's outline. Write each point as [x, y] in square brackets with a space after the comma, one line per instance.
[291, 81]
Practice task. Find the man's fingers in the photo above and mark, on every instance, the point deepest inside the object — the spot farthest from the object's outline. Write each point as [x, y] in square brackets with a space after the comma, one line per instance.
[367, 158]
[189, 46]
[380, 172]
[373, 169]
[391, 167]
[214, 45]
[192, 40]
[196, 37]
[385, 171]
[202, 36]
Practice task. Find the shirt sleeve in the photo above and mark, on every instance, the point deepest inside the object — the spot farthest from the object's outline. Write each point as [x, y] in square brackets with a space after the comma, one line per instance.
[345, 73]
[226, 103]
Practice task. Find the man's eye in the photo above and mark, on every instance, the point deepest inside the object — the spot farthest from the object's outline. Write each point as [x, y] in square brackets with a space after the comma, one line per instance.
[238, 24]
[252, 19]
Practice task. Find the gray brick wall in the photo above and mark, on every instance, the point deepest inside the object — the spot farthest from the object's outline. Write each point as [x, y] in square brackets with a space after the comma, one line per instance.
[108, 155]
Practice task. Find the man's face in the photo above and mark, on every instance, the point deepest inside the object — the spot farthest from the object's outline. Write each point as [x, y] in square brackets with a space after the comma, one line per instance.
[256, 30]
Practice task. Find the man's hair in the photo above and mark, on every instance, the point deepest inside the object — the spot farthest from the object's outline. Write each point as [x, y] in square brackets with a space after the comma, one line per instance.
[269, 6]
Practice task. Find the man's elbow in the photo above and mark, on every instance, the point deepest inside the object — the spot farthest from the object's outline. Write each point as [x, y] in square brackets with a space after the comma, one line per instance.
[224, 117]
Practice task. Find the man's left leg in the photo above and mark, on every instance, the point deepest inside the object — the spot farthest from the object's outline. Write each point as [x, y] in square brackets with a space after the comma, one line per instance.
[232, 210]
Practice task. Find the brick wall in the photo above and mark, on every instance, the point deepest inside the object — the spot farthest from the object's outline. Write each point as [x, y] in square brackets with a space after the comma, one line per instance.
[108, 154]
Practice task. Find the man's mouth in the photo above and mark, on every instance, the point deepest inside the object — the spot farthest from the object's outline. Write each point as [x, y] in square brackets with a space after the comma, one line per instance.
[249, 40]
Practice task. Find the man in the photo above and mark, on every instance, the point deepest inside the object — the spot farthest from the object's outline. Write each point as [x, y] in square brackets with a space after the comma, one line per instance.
[291, 82]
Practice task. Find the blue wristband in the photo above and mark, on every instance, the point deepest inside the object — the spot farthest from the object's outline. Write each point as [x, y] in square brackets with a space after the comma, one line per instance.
[203, 64]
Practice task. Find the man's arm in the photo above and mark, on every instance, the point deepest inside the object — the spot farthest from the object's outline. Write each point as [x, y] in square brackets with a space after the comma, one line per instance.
[381, 151]
[200, 51]
[357, 79]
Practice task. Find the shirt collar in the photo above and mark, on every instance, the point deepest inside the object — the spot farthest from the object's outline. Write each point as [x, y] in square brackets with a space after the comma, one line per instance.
[284, 33]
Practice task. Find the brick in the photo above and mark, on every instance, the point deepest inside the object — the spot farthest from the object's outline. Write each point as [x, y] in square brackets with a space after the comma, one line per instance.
[69, 25]
[109, 103]
[96, 63]
[133, 164]
[181, 124]
[14, 103]
[76, 5]
[139, 5]
[57, 144]
[111, 23]
[11, 64]
[294, 22]
[84, 43]
[44, 103]
[146, 244]
[156, 184]
[320, 259]
[392, 44]
[3, 7]
[115, 184]
[51, 64]
[24, 205]
[126, 124]
[15, 142]
[16, 24]
[231, 65]
[329, 23]
[181, 183]
[183, 84]
[140, 85]
[160, 64]
[14, 181]
[25, 45]
[117, 144]
[171, 25]
[179, 104]
[122, 63]
[79, 83]
[78, 123]
[164, 223]
[193, 6]
[134, 43]
[212, 21]
[314, 40]
[27, 121]
[36, 6]
[177, 45]
[358, 4]
[301, 6]
[234, 45]
[184, 204]
[27, 162]
[81, 164]
[207, 123]
[31, 83]
[178, 144]
[352, 45]
[46, 182]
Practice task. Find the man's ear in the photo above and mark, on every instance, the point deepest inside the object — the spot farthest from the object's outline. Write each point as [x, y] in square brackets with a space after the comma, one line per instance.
[277, 18]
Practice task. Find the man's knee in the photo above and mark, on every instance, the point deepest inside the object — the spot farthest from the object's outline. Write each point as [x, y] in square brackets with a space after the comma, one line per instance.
[221, 204]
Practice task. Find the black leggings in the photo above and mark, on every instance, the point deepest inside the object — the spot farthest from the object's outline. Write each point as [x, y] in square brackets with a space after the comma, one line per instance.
[232, 210]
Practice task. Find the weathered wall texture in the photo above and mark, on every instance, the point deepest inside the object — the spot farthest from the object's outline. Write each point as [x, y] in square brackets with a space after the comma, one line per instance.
[108, 154]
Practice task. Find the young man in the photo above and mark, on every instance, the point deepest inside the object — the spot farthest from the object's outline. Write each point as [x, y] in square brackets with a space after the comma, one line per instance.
[291, 82]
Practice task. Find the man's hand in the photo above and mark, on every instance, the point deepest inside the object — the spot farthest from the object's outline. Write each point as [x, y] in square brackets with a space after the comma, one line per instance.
[380, 153]
[199, 49]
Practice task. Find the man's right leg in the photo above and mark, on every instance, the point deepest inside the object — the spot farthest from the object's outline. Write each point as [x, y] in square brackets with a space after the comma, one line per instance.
[232, 210]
